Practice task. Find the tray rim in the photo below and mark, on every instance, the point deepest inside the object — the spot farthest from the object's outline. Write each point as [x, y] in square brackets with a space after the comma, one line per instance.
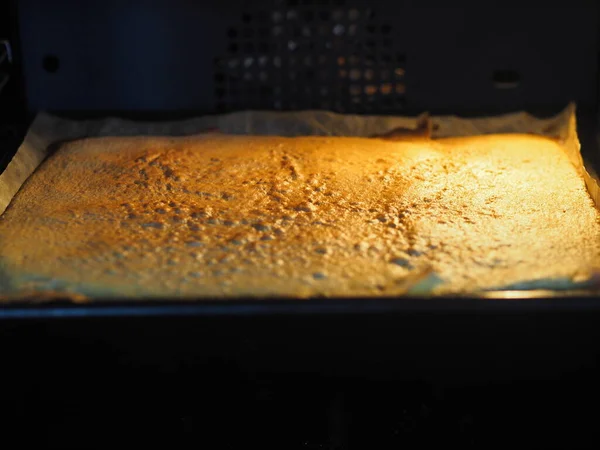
[497, 302]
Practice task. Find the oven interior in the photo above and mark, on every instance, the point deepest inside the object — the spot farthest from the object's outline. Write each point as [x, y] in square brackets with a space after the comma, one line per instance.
[390, 374]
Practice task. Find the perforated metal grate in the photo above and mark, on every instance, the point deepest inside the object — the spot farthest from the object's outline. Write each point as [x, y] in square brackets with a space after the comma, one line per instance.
[303, 55]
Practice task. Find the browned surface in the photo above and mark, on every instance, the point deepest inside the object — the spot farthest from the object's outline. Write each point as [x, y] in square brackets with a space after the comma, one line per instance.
[225, 216]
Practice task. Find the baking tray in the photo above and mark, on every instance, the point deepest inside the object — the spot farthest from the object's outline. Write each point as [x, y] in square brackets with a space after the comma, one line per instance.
[47, 130]
[499, 302]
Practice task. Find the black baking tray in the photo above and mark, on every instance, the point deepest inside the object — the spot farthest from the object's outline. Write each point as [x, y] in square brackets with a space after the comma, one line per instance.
[492, 302]
[485, 303]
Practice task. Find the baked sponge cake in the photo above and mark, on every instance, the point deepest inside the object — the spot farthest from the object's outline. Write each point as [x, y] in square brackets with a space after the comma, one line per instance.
[229, 216]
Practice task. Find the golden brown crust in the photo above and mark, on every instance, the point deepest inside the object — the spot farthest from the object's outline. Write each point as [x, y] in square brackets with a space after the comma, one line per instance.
[218, 215]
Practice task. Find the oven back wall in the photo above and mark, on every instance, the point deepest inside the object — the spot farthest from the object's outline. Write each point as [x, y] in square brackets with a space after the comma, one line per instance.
[343, 55]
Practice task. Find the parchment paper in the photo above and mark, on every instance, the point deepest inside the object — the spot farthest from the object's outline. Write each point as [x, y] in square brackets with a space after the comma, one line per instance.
[47, 130]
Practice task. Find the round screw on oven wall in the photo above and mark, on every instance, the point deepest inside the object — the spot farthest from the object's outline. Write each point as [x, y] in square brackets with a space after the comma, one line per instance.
[51, 63]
